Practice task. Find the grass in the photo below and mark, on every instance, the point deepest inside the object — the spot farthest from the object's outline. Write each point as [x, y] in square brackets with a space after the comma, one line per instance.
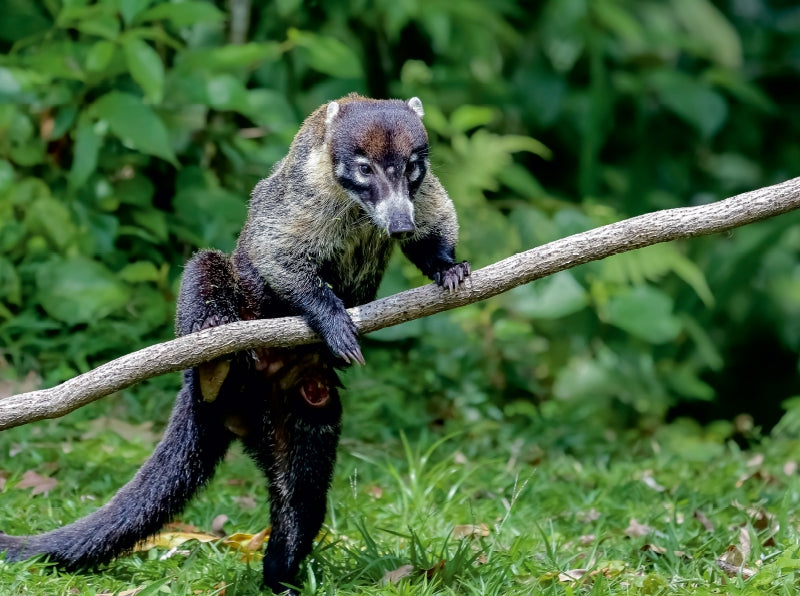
[485, 510]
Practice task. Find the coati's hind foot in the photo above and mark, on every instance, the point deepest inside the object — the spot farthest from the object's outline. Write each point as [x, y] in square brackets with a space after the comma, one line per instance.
[453, 276]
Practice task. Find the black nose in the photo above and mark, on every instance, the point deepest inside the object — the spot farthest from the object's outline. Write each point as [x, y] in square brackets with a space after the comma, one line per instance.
[401, 227]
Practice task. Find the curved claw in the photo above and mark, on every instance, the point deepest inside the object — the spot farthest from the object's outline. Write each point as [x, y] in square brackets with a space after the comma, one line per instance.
[452, 277]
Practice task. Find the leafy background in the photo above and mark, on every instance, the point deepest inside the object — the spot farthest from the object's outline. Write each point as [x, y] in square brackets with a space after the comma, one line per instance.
[131, 133]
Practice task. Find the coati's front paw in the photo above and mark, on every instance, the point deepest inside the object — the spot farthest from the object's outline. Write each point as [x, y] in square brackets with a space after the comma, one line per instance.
[451, 277]
[213, 320]
[342, 340]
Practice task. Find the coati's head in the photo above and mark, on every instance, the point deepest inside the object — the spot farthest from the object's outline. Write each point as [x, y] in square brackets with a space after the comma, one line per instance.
[379, 152]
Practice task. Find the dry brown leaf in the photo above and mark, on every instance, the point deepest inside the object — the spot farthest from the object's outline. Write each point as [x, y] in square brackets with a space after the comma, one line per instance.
[635, 529]
[247, 503]
[660, 550]
[732, 563]
[376, 492]
[218, 523]
[572, 575]
[587, 539]
[249, 543]
[182, 527]
[744, 543]
[470, 531]
[170, 540]
[438, 566]
[700, 516]
[131, 592]
[587, 517]
[395, 575]
[39, 484]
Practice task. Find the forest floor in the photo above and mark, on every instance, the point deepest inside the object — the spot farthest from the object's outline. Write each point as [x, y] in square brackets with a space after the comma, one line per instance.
[485, 510]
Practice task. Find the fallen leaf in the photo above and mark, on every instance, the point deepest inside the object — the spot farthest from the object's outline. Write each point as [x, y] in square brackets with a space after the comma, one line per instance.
[587, 539]
[732, 563]
[171, 540]
[586, 517]
[131, 592]
[247, 503]
[376, 492]
[790, 468]
[40, 484]
[755, 461]
[635, 529]
[437, 567]
[700, 516]
[181, 527]
[744, 543]
[249, 544]
[660, 550]
[572, 575]
[648, 479]
[395, 575]
[470, 531]
[459, 458]
[218, 523]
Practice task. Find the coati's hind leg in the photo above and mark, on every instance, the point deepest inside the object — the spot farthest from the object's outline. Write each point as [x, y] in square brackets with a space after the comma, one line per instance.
[194, 442]
[297, 452]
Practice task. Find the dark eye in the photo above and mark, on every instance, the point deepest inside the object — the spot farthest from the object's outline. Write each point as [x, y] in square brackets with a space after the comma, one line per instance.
[365, 169]
[410, 167]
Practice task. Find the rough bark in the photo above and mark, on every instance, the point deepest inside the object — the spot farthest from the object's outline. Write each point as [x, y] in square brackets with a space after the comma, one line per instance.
[592, 245]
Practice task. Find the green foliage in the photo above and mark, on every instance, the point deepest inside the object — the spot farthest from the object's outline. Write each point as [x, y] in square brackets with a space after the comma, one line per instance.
[131, 133]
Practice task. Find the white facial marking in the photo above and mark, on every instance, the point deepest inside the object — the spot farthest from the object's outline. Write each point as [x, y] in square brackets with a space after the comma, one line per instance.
[358, 176]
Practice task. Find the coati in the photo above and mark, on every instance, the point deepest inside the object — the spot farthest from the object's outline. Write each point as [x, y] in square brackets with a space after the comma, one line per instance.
[317, 238]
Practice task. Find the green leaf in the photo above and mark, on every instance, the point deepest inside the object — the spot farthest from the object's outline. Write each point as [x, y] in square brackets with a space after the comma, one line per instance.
[226, 92]
[708, 26]
[138, 272]
[691, 100]
[49, 217]
[10, 287]
[644, 312]
[327, 55]
[129, 9]
[552, 298]
[134, 123]
[79, 290]
[146, 67]
[183, 14]
[84, 160]
[99, 56]
[229, 57]
[467, 117]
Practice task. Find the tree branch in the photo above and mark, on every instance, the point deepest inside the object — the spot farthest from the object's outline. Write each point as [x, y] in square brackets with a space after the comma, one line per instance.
[592, 245]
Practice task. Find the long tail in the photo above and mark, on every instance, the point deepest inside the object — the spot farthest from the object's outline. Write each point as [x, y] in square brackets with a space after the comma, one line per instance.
[194, 442]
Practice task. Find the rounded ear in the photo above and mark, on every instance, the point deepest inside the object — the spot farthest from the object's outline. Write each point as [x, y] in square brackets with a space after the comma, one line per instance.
[416, 104]
[330, 114]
